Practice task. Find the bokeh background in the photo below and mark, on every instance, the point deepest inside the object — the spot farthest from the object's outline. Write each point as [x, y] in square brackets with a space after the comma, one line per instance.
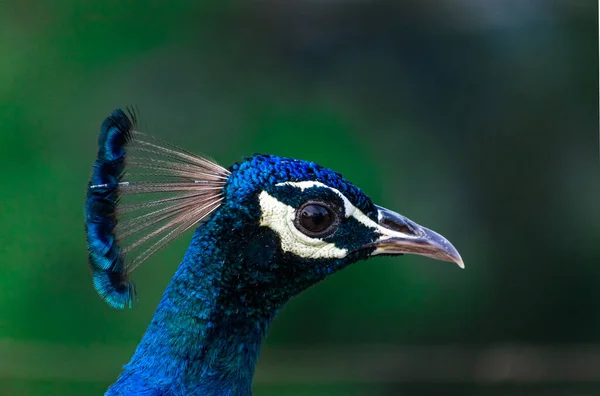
[476, 118]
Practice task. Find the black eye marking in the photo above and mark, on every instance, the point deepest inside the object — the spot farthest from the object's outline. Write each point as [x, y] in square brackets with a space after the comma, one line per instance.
[317, 219]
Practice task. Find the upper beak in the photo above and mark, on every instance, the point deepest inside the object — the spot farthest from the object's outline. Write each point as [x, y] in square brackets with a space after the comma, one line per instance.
[400, 235]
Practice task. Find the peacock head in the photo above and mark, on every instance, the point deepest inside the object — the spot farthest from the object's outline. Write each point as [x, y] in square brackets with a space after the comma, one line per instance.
[309, 222]
[283, 224]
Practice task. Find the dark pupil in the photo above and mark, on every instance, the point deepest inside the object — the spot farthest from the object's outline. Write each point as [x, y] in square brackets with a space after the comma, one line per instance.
[315, 218]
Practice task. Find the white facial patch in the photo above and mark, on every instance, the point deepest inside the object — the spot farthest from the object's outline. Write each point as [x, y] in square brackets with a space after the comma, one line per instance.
[280, 218]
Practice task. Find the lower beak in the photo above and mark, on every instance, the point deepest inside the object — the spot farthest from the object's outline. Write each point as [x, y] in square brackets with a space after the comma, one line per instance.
[400, 235]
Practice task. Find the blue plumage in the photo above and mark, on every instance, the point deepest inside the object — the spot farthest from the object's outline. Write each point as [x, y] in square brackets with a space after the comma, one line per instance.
[271, 227]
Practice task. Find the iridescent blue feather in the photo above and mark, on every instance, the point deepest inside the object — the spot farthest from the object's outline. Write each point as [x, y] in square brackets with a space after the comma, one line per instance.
[106, 261]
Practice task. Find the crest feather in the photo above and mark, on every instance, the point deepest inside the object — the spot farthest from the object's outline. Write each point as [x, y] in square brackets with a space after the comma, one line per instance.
[169, 190]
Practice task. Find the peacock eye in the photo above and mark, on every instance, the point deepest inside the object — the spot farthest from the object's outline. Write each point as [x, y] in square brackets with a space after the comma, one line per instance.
[316, 219]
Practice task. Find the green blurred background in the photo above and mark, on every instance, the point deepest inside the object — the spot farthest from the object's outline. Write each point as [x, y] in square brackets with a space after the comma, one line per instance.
[476, 118]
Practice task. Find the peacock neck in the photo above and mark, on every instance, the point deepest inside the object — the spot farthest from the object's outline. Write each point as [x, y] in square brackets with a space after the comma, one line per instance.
[204, 338]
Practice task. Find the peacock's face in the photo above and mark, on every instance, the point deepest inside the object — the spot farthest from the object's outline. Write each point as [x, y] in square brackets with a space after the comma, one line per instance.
[317, 222]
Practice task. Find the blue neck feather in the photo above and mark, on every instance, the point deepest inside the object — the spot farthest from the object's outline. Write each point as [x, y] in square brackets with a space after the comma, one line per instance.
[205, 336]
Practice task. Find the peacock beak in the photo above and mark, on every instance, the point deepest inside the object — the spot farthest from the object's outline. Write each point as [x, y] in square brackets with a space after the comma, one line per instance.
[400, 235]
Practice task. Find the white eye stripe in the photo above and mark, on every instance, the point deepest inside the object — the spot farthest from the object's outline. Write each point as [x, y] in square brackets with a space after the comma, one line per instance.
[303, 185]
[351, 210]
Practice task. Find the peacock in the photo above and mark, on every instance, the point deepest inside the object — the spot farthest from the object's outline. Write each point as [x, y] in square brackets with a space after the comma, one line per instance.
[267, 228]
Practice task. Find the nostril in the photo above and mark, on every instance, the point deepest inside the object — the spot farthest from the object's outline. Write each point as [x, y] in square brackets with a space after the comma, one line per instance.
[395, 226]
